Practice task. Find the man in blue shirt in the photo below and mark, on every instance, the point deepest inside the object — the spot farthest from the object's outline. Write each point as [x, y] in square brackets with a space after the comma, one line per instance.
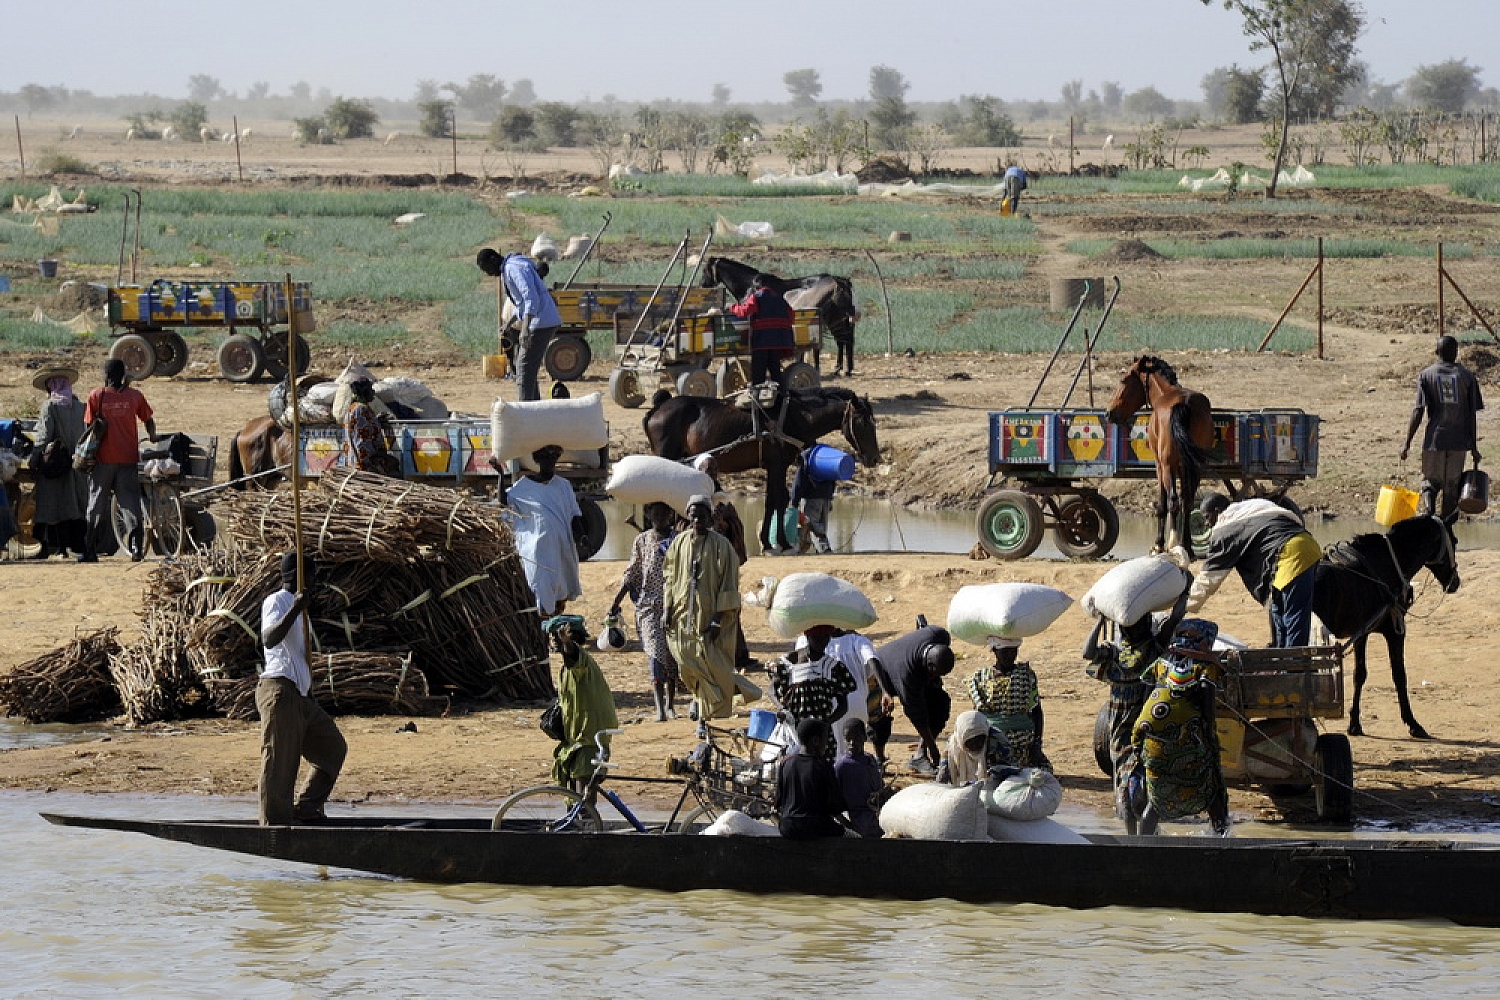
[539, 319]
[1012, 184]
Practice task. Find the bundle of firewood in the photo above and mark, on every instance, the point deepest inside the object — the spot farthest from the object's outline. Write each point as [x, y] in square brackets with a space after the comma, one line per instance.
[347, 683]
[70, 684]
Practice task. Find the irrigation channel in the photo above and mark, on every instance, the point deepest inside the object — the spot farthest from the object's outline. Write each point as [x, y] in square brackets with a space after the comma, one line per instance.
[107, 914]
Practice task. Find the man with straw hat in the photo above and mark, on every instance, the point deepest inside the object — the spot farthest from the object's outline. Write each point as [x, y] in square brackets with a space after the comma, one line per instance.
[62, 492]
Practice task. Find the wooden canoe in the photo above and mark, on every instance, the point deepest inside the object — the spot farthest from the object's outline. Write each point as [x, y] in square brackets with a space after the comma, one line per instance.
[1306, 878]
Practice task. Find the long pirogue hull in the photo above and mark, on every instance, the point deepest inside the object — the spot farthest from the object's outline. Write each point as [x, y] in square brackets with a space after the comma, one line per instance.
[1343, 879]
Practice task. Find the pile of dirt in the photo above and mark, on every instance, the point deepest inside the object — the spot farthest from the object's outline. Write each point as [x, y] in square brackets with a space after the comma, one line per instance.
[75, 297]
[1127, 252]
[883, 171]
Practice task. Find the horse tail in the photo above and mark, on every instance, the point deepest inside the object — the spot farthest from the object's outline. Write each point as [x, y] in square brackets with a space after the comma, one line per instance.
[1194, 457]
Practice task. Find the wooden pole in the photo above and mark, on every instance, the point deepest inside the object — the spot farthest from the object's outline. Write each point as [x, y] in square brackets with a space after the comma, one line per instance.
[1473, 308]
[1440, 290]
[20, 150]
[453, 134]
[1320, 298]
[1070, 145]
[890, 327]
[238, 163]
[1277, 325]
[296, 470]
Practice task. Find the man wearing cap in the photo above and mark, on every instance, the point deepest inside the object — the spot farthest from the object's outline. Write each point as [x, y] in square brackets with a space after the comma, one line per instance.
[548, 524]
[911, 669]
[62, 492]
[771, 335]
[293, 726]
[1449, 394]
[1276, 558]
[701, 608]
[115, 473]
[521, 277]
[727, 523]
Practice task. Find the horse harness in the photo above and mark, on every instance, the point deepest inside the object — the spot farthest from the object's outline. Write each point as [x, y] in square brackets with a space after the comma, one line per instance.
[1398, 599]
[762, 422]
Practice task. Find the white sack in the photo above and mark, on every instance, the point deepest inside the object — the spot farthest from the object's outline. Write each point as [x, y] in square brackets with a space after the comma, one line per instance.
[803, 600]
[643, 479]
[1135, 588]
[402, 389]
[1010, 610]
[1036, 831]
[544, 247]
[1033, 794]
[518, 429]
[936, 812]
[733, 823]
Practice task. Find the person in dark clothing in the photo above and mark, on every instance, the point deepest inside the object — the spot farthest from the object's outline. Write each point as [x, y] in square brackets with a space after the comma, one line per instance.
[771, 337]
[815, 496]
[911, 669]
[807, 790]
[1449, 394]
[860, 781]
[1276, 558]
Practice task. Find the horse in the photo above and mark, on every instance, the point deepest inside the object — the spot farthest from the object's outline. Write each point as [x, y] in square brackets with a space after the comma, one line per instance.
[256, 449]
[831, 295]
[1180, 432]
[1363, 587]
[679, 427]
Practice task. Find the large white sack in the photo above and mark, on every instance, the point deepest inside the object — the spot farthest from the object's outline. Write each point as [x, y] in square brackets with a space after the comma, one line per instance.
[431, 408]
[733, 823]
[1035, 831]
[1009, 610]
[1035, 793]
[936, 812]
[1135, 588]
[403, 389]
[518, 429]
[644, 479]
[803, 600]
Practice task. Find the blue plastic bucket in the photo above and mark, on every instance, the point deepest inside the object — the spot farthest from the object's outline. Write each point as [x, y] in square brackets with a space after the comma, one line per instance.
[829, 464]
[762, 724]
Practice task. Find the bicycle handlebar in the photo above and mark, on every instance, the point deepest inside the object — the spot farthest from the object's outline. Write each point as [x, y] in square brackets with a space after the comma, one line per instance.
[601, 759]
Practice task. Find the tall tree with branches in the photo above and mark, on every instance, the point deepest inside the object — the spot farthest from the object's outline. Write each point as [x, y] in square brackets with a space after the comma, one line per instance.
[1305, 38]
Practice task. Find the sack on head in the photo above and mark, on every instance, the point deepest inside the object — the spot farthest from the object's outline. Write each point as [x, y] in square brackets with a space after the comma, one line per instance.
[1009, 610]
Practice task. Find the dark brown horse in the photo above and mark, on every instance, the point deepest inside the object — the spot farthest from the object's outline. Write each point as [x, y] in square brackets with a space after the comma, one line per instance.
[1363, 588]
[830, 294]
[1180, 432]
[256, 449]
[679, 427]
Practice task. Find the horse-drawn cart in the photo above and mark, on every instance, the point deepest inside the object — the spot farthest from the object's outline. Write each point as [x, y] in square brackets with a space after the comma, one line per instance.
[587, 307]
[1051, 456]
[456, 453]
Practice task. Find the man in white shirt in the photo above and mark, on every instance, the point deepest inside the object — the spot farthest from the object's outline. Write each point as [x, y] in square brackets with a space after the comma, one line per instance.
[548, 524]
[293, 726]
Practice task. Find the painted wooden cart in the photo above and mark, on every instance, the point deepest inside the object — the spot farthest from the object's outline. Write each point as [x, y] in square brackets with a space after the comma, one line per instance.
[456, 453]
[704, 356]
[1047, 462]
[144, 321]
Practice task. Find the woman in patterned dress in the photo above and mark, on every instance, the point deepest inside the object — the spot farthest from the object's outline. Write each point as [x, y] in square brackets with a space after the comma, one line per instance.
[1008, 695]
[644, 583]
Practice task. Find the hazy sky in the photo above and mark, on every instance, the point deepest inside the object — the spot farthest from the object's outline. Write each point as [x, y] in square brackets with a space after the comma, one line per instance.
[653, 49]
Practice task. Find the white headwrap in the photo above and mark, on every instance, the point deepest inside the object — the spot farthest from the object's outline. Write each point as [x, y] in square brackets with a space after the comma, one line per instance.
[964, 765]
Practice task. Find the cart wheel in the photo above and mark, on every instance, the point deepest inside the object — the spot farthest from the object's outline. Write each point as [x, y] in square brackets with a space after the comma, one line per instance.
[1333, 787]
[1009, 524]
[800, 375]
[137, 353]
[696, 383]
[241, 359]
[625, 388]
[567, 357]
[273, 349]
[1102, 755]
[1087, 526]
[171, 353]
[731, 378]
[594, 529]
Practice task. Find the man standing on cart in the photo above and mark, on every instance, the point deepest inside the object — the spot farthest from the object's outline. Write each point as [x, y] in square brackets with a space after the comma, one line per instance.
[771, 337]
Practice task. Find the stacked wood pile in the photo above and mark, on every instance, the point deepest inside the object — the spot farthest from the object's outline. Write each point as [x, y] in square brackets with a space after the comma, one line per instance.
[69, 684]
[417, 596]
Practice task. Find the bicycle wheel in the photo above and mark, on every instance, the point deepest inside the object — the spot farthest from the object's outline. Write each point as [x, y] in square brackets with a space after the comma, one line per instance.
[544, 809]
[705, 814]
[165, 521]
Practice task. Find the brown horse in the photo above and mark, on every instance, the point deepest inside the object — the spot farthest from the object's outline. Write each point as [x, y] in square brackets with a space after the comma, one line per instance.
[258, 448]
[1180, 432]
[679, 427]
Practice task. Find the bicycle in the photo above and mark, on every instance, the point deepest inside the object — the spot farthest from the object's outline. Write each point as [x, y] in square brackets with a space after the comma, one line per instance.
[713, 784]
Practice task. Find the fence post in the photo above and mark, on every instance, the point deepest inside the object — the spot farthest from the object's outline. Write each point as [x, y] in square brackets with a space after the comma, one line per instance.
[1320, 298]
[20, 150]
[1440, 291]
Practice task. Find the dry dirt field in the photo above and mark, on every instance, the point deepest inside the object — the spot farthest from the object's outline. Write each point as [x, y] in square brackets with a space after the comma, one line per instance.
[1382, 318]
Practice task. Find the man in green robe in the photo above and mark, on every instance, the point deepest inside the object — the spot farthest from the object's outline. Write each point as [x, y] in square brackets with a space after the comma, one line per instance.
[702, 606]
[587, 704]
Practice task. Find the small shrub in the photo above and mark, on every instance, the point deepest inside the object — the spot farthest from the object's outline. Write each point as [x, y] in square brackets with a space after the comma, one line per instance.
[52, 163]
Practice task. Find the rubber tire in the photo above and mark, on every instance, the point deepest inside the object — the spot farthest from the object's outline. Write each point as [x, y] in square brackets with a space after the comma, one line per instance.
[567, 357]
[241, 359]
[731, 378]
[1102, 756]
[800, 375]
[273, 350]
[625, 388]
[697, 382]
[137, 353]
[171, 353]
[704, 814]
[546, 803]
[1333, 788]
[595, 528]
[1099, 525]
[1009, 524]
